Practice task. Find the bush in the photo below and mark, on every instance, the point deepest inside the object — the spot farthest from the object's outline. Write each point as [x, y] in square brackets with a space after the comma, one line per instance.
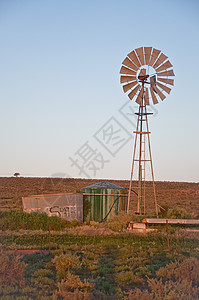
[118, 223]
[44, 281]
[188, 270]
[65, 263]
[15, 220]
[73, 288]
[124, 278]
[165, 291]
[12, 270]
[178, 213]
[175, 281]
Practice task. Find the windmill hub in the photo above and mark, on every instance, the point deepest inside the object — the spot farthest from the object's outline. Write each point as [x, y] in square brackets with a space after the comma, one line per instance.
[149, 70]
[142, 77]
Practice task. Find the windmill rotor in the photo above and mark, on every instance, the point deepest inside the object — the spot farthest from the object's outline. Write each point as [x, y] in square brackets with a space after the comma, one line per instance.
[147, 72]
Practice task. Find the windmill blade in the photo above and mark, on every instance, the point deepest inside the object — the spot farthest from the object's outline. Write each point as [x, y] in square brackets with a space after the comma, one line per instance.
[166, 80]
[164, 66]
[125, 70]
[146, 96]
[164, 87]
[155, 101]
[127, 62]
[140, 55]
[160, 60]
[124, 79]
[166, 73]
[134, 58]
[133, 92]
[147, 51]
[154, 56]
[160, 94]
[128, 86]
[140, 95]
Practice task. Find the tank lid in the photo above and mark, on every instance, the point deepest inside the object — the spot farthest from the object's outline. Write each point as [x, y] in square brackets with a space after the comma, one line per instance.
[104, 185]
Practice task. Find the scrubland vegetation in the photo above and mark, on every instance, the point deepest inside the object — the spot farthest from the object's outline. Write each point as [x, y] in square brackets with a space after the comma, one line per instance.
[96, 260]
[101, 267]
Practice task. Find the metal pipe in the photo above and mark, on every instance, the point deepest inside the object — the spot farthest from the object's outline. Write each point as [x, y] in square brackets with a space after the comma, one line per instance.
[118, 195]
[171, 221]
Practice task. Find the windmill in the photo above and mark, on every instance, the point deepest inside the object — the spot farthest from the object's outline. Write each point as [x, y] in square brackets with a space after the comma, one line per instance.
[146, 74]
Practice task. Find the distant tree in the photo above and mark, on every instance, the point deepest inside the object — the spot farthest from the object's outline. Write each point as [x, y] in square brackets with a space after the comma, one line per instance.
[16, 174]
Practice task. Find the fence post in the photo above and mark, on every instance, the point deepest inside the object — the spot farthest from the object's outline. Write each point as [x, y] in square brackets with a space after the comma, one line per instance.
[49, 237]
[167, 234]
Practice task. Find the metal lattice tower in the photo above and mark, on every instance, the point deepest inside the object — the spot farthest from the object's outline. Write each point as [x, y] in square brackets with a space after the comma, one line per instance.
[145, 72]
[141, 145]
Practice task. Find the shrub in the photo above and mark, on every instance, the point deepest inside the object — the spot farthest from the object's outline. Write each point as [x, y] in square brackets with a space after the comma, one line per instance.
[175, 281]
[178, 213]
[15, 220]
[172, 290]
[188, 271]
[73, 288]
[124, 278]
[12, 270]
[165, 291]
[137, 294]
[65, 263]
[142, 271]
[164, 211]
[118, 223]
[43, 280]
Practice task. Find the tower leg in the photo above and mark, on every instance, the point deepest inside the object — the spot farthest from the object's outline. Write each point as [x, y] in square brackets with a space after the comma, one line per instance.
[152, 174]
[142, 129]
[132, 169]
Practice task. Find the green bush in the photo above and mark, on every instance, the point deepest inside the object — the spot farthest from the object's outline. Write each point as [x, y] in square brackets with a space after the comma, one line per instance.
[178, 213]
[174, 213]
[44, 281]
[65, 263]
[16, 220]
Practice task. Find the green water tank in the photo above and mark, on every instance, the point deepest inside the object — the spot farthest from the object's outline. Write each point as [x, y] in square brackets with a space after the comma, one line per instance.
[103, 200]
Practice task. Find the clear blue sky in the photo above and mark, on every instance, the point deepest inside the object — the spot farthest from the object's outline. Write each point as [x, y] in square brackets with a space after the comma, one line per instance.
[59, 86]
